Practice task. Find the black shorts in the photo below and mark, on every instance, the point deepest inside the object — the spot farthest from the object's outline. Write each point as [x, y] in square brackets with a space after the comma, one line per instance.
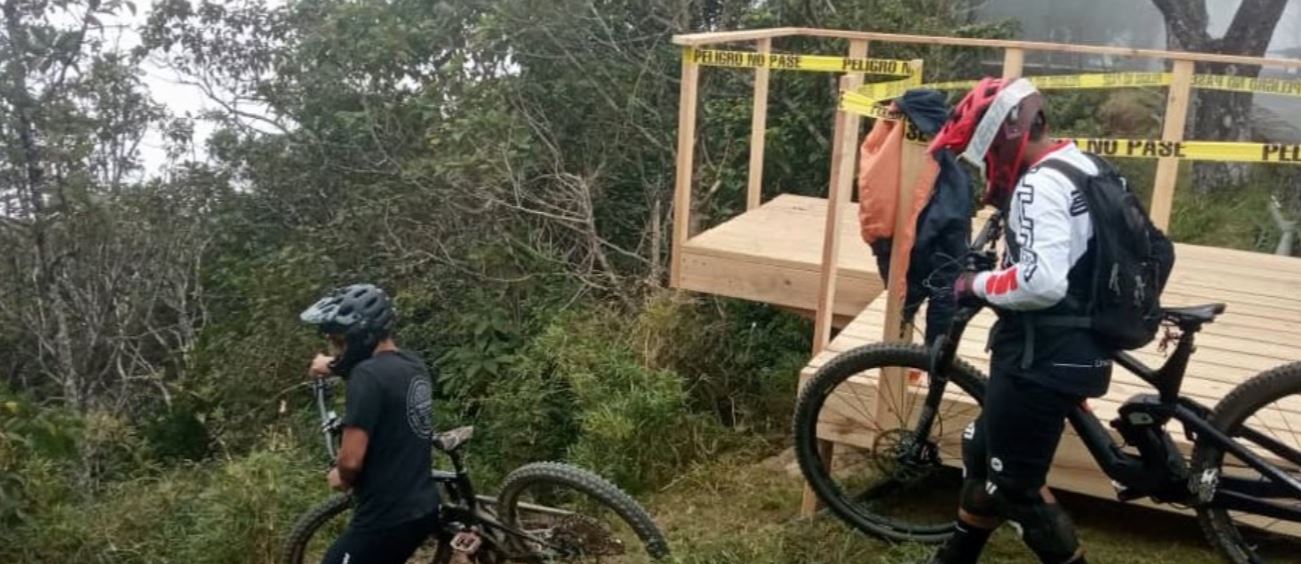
[1011, 445]
[393, 545]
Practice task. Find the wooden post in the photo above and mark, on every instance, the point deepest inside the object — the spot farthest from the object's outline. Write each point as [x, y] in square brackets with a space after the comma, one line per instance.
[844, 149]
[758, 127]
[1176, 117]
[686, 160]
[892, 384]
[1013, 62]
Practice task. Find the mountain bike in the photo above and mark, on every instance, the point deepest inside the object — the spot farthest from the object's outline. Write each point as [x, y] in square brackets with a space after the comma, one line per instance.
[545, 512]
[889, 478]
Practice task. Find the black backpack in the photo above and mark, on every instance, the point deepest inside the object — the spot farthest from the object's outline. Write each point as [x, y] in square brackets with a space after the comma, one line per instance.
[1132, 260]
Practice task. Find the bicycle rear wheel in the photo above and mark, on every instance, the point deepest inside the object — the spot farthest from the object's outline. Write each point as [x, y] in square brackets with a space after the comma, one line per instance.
[1263, 414]
[580, 516]
[886, 480]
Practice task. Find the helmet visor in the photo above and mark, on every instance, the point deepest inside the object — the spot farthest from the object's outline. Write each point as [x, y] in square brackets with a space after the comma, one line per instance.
[992, 122]
[321, 312]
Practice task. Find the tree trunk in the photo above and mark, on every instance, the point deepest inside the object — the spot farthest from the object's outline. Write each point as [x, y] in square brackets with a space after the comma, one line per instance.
[1221, 116]
[56, 318]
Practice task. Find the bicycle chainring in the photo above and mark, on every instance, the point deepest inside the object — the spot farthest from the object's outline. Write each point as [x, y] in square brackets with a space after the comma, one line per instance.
[898, 454]
[580, 535]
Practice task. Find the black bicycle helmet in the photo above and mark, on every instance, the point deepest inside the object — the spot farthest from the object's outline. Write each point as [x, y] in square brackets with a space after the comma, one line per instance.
[362, 313]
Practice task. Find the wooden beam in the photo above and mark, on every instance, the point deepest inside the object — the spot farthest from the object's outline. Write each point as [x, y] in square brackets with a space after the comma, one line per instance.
[699, 39]
[809, 505]
[844, 149]
[892, 387]
[1176, 117]
[758, 127]
[710, 38]
[1013, 62]
[686, 159]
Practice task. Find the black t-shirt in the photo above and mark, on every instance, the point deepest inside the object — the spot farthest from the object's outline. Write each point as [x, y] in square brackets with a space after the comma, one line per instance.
[389, 396]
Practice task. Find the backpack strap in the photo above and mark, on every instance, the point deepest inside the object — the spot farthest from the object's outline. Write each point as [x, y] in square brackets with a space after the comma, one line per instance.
[1080, 180]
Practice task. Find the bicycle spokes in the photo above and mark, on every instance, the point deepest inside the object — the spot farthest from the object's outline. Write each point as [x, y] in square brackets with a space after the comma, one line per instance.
[881, 460]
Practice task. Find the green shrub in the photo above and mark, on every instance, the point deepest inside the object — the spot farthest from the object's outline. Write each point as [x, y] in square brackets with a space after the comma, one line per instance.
[738, 360]
[635, 422]
[236, 512]
[1237, 219]
[248, 507]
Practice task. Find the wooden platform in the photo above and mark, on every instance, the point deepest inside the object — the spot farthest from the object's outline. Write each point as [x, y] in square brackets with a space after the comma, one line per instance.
[773, 254]
[1247, 339]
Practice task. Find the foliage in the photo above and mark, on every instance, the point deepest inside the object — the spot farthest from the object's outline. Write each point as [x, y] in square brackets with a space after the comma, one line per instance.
[738, 361]
[503, 167]
[236, 512]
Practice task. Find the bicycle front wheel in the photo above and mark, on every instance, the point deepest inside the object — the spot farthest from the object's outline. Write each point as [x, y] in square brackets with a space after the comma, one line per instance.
[884, 477]
[577, 516]
[1264, 415]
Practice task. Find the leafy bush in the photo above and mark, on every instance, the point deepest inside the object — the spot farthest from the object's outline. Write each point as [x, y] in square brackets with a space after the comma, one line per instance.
[635, 422]
[738, 360]
[235, 512]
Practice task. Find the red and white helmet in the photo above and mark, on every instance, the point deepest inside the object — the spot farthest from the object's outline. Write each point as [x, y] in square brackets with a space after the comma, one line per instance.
[990, 127]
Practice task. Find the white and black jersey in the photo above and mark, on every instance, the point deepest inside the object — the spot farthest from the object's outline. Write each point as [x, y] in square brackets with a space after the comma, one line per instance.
[1047, 270]
[1048, 230]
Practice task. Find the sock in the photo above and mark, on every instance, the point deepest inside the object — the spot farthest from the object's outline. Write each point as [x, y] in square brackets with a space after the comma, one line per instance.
[964, 546]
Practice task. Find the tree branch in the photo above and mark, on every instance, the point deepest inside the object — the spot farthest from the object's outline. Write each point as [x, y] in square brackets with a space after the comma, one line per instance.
[1253, 26]
[1186, 21]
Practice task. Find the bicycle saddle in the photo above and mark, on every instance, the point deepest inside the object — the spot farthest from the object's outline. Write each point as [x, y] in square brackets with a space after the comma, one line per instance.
[1192, 315]
[454, 439]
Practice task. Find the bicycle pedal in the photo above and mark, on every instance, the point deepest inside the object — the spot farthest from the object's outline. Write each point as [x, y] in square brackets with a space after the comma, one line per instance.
[467, 542]
[1123, 492]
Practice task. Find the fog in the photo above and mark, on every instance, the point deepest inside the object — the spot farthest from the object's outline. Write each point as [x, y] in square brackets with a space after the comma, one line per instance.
[1129, 23]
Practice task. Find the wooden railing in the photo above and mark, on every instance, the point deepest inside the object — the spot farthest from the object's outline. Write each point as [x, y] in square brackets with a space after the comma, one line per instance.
[846, 131]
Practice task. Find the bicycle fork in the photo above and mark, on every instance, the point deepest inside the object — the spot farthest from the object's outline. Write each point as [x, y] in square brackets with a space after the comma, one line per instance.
[945, 351]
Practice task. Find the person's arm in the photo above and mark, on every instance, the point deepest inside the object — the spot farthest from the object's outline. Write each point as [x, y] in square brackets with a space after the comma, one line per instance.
[1043, 227]
[352, 455]
[363, 408]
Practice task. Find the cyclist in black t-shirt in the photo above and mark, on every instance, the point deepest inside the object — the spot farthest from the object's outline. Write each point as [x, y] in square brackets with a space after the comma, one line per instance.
[385, 457]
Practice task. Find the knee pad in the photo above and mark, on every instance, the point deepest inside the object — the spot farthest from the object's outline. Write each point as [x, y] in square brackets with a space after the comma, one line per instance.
[1045, 528]
[974, 500]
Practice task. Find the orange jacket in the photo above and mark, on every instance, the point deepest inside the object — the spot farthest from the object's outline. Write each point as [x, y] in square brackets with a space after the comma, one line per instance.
[879, 173]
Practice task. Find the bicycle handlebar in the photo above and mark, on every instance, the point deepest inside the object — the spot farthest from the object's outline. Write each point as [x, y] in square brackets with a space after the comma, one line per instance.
[330, 421]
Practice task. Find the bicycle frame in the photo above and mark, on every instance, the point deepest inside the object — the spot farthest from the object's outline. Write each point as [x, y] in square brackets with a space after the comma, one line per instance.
[461, 505]
[1135, 475]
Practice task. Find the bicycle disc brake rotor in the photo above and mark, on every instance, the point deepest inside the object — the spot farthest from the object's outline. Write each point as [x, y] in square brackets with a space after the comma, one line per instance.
[580, 535]
[898, 454]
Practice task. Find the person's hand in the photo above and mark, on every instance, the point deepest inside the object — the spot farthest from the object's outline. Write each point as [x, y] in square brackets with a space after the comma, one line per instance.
[336, 481]
[980, 261]
[964, 289]
[320, 367]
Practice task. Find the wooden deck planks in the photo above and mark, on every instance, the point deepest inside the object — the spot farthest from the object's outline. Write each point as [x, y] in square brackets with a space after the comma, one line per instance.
[1074, 468]
[772, 254]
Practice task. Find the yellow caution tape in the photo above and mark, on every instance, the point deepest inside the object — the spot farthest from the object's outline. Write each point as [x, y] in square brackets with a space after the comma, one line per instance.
[793, 61]
[854, 102]
[1226, 151]
[889, 90]
[1241, 152]
[1101, 80]
[1267, 85]
[892, 67]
